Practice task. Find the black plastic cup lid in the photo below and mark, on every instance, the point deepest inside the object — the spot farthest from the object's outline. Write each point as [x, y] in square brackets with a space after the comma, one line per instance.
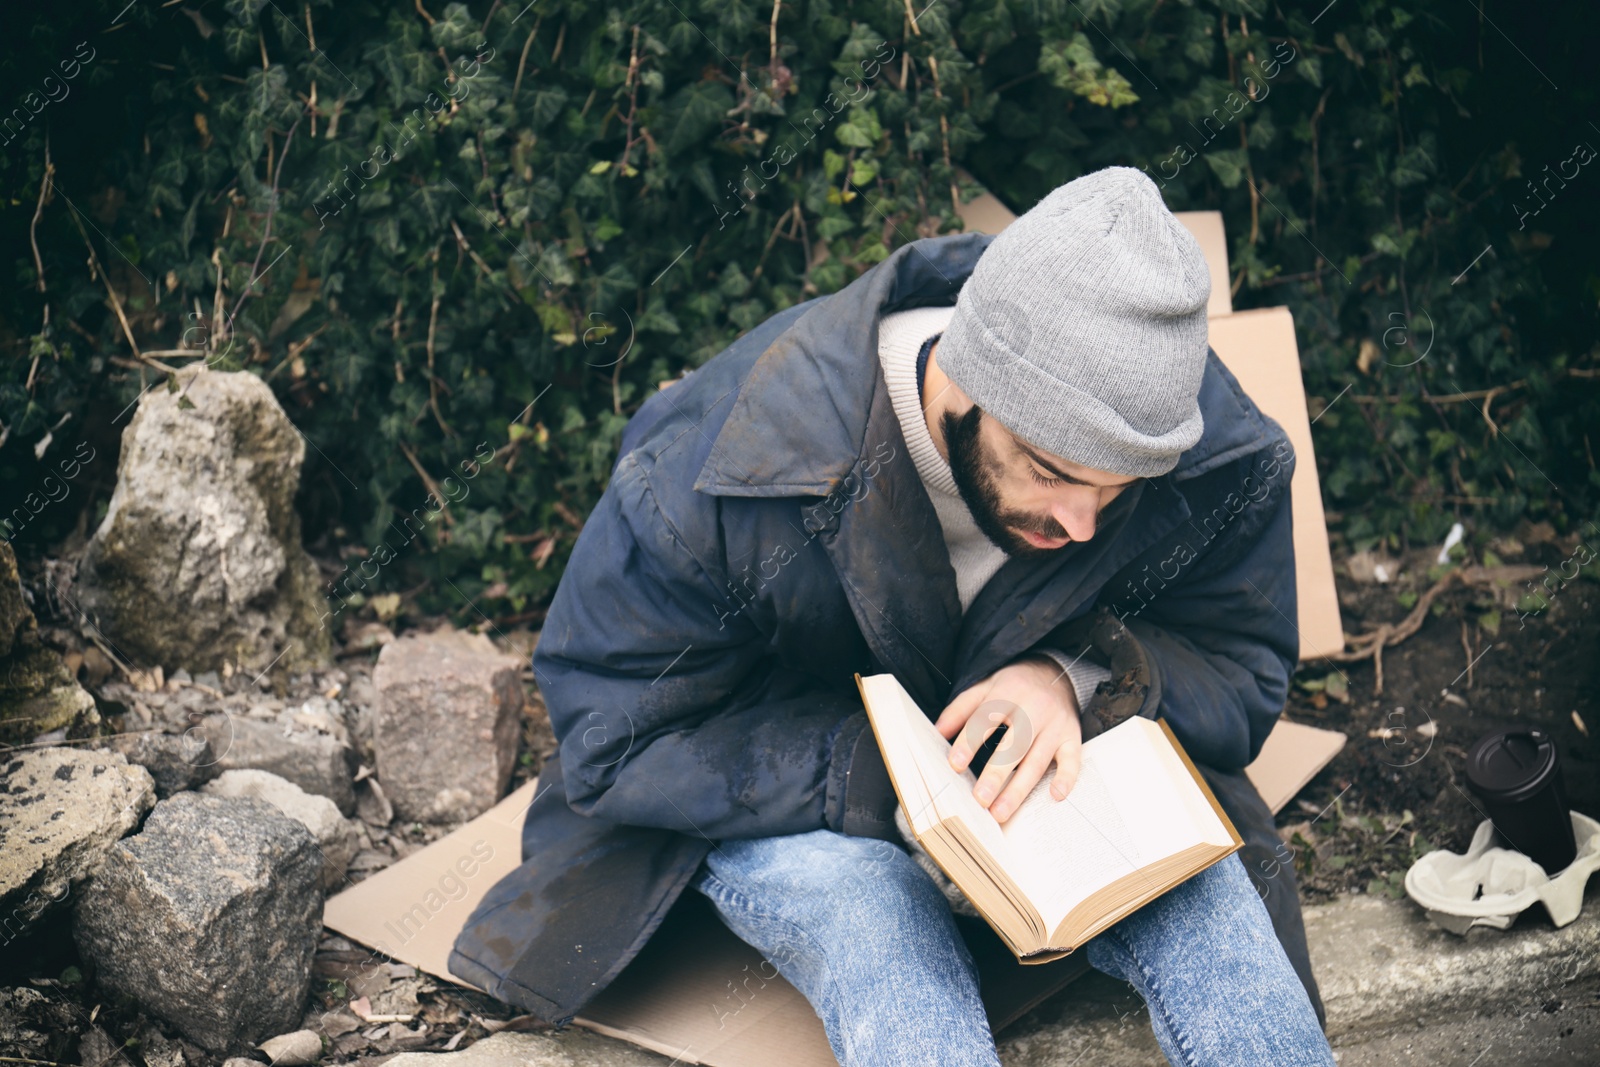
[1511, 765]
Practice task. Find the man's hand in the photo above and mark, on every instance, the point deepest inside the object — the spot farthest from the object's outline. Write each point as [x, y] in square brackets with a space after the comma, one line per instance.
[1035, 699]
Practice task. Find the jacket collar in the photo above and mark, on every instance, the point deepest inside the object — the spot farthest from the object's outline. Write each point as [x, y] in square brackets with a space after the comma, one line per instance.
[829, 356]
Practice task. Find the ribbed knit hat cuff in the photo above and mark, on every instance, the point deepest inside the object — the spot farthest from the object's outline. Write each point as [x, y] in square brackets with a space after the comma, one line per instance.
[1053, 415]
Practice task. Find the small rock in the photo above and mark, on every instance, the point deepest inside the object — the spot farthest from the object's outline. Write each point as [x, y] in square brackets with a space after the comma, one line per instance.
[366, 637]
[315, 762]
[176, 761]
[372, 804]
[293, 1049]
[62, 810]
[335, 836]
[333, 1024]
[208, 917]
[157, 1051]
[347, 1044]
[96, 1049]
[445, 736]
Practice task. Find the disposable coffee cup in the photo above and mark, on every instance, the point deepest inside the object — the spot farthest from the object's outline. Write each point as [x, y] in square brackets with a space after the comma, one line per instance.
[1517, 774]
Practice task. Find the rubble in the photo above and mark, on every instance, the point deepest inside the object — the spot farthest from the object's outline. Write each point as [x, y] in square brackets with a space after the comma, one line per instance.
[61, 810]
[209, 918]
[445, 734]
[198, 561]
[335, 836]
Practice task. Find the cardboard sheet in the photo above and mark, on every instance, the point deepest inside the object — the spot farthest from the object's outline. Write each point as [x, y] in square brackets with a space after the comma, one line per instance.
[1259, 347]
[697, 992]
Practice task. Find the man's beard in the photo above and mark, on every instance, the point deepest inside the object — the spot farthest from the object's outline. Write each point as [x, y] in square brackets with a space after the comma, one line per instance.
[975, 478]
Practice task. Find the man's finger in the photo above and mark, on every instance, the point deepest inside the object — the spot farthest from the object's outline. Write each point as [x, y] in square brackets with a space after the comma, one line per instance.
[959, 710]
[1069, 763]
[985, 720]
[1028, 772]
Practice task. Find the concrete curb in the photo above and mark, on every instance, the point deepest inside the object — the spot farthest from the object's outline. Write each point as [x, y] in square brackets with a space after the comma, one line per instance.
[1381, 964]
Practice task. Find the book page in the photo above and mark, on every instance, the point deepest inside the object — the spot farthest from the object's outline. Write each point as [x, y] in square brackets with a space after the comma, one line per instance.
[1125, 812]
[1066, 850]
[946, 792]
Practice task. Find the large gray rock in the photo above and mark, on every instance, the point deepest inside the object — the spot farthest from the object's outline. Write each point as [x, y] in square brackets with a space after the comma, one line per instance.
[316, 762]
[209, 918]
[37, 692]
[335, 835]
[445, 733]
[60, 811]
[198, 561]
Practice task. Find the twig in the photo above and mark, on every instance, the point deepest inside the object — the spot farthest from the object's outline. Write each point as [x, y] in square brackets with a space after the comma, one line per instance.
[1467, 397]
[116, 305]
[1466, 649]
[272, 211]
[433, 486]
[911, 20]
[1308, 275]
[787, 216]
[38, 262]
[944, 122]
[143, 363]
[433, 325]
[461, 239]
[772, 36]
[38, 210]
[524, 60]
[632, 84]
[1372, 644]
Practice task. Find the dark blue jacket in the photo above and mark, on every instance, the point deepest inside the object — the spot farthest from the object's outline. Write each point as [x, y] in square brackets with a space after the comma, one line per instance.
[765, 536]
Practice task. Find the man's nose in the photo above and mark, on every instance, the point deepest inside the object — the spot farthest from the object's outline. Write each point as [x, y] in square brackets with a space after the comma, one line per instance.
[1076, 513]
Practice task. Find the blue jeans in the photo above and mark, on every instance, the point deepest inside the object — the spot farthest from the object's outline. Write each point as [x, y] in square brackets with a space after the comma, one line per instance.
[862, 931]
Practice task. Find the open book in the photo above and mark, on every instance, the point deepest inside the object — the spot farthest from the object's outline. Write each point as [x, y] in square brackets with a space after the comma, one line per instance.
[1139, 821]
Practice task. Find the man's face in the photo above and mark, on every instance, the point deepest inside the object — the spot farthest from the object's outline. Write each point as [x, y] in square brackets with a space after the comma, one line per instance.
[1027, 502]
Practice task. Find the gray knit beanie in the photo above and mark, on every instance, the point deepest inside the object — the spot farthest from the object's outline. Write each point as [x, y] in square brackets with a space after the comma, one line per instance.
[1082, 328]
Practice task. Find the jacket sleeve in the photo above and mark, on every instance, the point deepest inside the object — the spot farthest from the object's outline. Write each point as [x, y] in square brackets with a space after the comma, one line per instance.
[668, 710]
[1221, 641]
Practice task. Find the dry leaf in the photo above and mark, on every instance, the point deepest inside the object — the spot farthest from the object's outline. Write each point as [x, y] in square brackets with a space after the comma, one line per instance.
[293, 1050]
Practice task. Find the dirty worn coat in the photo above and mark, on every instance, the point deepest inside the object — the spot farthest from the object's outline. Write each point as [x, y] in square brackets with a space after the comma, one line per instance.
[765, 536]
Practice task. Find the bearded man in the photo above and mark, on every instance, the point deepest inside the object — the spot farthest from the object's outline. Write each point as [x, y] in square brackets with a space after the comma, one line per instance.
[1007, 469]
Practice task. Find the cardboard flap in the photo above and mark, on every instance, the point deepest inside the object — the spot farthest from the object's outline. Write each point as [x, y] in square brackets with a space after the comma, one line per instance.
[1291, 757]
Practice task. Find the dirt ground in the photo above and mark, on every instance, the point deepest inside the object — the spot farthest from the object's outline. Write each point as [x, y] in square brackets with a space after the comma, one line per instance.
[1397, 789]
